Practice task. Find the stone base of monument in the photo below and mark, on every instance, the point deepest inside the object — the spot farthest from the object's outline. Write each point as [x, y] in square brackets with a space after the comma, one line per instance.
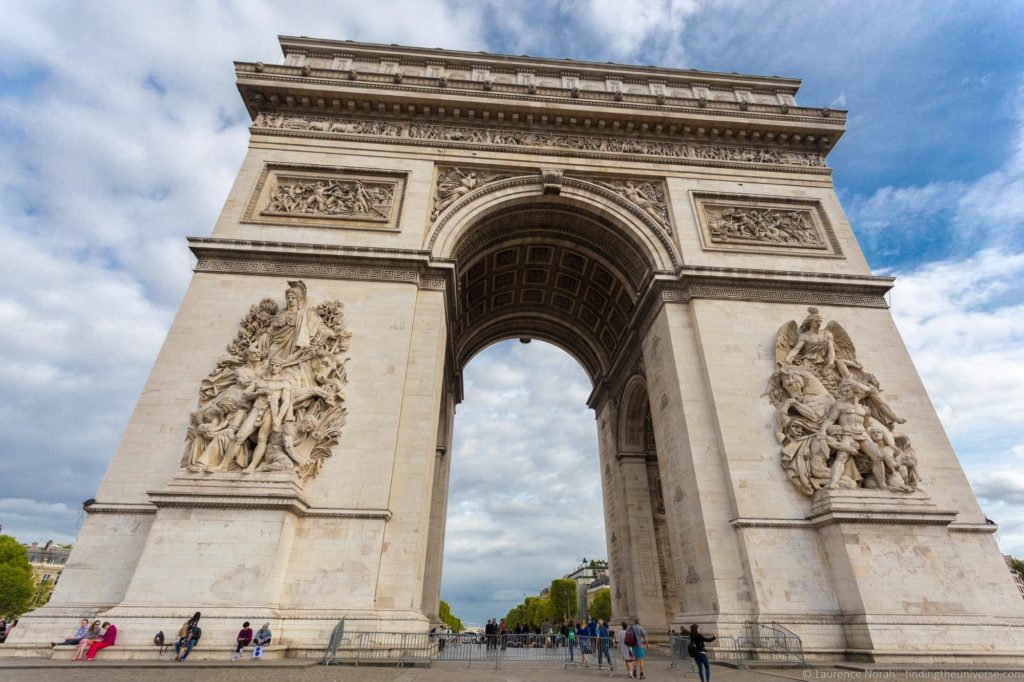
[909, 583]
[230, 570]
[296, 634]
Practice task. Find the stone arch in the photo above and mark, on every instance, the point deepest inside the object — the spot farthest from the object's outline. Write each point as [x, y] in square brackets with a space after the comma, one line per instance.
[634, 415]
[591, 198]
[568, 268]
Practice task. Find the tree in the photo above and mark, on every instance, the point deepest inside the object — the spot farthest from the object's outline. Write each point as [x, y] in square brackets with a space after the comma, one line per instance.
[43, 592]
[1016, 564]
[562, 596]
[444, 612]
[602, 606]
[538, 611]
[16, 586]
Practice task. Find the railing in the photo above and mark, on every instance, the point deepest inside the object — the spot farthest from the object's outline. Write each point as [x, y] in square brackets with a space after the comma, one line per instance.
[397, 648]
[680, 653]
[760, 642]
[774, 642]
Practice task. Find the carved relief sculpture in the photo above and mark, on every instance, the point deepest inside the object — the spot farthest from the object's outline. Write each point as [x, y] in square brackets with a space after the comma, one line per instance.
[647, 196]
[836, 429]
[455, 183]
[276, 401]
[348, 198]
[751, 224]
[765, 224]
[326, 196]
[575, 143]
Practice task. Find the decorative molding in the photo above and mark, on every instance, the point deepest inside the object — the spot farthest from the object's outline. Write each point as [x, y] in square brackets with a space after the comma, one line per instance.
[660, 231]
[566, 144]
[764, 224]
[119, 508]
[327, 196]
[551, 179]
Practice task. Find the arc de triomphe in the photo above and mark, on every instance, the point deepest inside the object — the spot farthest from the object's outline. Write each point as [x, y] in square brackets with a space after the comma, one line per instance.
[767, 449]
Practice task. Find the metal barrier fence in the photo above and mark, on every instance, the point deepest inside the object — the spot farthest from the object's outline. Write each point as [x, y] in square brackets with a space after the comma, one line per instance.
[403, 648]
[774, 642]
[599, 652]
[680, 657]
[760, 642]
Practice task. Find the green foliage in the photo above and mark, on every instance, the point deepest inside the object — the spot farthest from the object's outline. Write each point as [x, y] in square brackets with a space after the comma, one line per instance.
[538, 611]
[444, 612]
[1017, 565]
[43, 592]
[16, 586]
[602, 605]
[562, 596]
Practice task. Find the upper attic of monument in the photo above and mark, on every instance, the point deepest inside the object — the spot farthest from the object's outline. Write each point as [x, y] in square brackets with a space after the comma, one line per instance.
[345, 78]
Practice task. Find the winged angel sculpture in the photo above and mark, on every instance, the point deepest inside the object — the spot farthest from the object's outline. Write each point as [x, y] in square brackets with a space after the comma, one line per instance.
[836, 429]
[276, 401]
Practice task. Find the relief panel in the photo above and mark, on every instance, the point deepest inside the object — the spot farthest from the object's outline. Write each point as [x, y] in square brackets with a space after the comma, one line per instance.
[326, 196]
[753, 224]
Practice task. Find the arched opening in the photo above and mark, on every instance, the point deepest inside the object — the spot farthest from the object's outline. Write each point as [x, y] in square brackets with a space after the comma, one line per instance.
[570, 270]
[524, 502]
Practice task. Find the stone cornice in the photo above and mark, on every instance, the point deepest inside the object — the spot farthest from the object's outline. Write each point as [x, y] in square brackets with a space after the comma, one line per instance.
[511, 63]
[285, 259]
[439, 87]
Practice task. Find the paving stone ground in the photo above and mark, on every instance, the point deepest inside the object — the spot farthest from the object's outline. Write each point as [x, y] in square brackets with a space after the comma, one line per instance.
[21, 670]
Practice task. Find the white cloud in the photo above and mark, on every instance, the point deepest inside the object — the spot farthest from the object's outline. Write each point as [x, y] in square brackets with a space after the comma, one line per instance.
[525, 500]
[963, 322]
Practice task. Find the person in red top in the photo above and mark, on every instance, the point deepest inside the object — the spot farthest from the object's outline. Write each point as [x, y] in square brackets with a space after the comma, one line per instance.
[108, 639]
[243, 640]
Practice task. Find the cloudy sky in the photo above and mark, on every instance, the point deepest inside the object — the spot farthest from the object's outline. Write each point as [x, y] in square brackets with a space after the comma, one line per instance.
[121, 131]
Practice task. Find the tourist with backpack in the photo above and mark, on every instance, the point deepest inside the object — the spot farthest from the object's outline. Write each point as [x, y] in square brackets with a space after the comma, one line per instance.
[626, 639]
[638, 637]
[698, 653]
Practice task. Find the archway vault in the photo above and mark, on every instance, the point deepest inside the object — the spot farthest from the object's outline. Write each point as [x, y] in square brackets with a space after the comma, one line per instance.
[568, 269]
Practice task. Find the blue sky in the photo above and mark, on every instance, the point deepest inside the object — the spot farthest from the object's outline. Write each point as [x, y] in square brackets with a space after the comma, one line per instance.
[121, 131]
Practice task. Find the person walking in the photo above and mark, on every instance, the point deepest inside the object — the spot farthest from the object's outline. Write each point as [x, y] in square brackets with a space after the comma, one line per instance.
[639, 648]
[243, 640]
[626, 647]
[603, 640]
[93, 634]
[108, 639]
[699, 653]
[188, 637]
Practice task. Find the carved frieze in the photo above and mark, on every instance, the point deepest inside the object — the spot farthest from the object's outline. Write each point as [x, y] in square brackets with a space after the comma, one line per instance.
[326, 196]
[549, 141]
[455, 183]
[737, 222]
[836, 429]
[276, 402]
[646, 195]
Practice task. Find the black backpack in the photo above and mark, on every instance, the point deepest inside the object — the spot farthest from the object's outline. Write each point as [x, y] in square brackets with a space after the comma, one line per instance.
[158, 638]
[692, 649]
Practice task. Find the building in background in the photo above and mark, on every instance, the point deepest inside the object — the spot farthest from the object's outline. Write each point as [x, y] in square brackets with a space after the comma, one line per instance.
[587, 575]
[47, 561]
